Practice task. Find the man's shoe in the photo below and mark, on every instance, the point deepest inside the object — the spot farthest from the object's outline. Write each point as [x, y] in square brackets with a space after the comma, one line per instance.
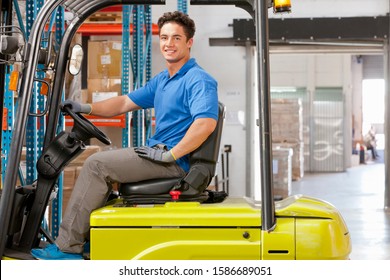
[87, 251]
[52, 252]
[87, 247]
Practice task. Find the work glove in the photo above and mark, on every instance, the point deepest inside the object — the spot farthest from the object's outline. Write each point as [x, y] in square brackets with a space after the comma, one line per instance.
[155, 154]
[77, 107]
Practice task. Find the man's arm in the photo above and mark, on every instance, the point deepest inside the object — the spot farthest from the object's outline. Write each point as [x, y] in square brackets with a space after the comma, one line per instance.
[196, 134]
[113, 106]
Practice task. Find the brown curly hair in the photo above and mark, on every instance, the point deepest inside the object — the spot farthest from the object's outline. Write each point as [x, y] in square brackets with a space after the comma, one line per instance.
[181, 19]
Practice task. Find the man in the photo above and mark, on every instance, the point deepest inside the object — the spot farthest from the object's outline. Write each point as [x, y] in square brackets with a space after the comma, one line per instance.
[185, 100]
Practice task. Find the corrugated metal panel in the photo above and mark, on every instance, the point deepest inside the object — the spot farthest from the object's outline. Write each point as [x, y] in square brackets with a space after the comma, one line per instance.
[328, 131]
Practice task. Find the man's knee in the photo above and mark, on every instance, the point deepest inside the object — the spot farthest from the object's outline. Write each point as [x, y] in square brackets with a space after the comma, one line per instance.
[92, 162]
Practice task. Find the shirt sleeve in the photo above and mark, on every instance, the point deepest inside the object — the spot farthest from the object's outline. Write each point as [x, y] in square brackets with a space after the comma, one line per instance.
[203, 97]
[144, 96]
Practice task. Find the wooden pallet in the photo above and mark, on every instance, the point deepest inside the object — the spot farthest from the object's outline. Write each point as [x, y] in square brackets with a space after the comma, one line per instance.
[99, 17]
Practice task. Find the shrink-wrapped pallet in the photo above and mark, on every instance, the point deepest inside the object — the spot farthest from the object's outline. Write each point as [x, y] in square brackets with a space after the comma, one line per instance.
[281, 167]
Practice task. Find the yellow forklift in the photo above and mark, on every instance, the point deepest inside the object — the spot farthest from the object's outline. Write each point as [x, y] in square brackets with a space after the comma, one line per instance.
[168, 219]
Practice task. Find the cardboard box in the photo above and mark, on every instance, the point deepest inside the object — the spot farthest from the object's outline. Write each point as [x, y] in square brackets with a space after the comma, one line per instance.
[104, 59]
[69, 177]
[100, 96]
[99, 89]
[112, 132]
[297, 157]
[80, 96]
[80, 159]
[287, 120]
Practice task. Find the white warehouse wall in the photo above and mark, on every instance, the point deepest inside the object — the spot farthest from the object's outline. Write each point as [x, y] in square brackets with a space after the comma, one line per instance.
[307, 70]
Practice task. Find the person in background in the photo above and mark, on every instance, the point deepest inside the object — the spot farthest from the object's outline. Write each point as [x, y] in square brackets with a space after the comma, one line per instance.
[184, 97]
[370, 142]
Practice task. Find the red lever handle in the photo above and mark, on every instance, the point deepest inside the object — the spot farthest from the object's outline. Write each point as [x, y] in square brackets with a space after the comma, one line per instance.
[175, 195]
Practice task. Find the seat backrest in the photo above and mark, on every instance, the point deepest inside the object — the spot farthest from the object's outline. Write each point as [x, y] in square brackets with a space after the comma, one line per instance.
[209, 150]
[203, 160]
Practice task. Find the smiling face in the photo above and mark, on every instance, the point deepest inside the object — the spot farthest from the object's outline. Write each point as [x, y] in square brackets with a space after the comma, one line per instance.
[174, 45]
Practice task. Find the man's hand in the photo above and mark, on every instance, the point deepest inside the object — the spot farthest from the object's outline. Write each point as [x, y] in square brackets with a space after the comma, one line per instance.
[77, 107]
[155, 154]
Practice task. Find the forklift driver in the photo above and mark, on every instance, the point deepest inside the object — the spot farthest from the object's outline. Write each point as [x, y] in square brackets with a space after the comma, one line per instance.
[184, 97]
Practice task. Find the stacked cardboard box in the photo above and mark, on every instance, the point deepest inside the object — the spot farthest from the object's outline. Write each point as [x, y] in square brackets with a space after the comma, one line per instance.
[281, 165]
[100, 89]
[104, 59]
[104, 69]
[297, 157]
[287, 121]
[287, 131]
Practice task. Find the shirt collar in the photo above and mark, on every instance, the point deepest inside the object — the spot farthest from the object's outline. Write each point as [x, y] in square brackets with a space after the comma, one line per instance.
[187, 66]
[184, 69]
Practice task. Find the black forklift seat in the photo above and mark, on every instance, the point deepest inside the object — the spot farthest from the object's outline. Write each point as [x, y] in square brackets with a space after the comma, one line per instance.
[191, 187]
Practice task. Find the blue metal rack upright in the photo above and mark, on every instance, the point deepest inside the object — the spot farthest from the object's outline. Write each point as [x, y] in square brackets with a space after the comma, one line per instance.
[182, 6]
[126, 13]
[56, 210]
[36, 126]
[8, 105]
[148, 65]
[141, 62]
[34, 134]
[138, 16]
[5, 94]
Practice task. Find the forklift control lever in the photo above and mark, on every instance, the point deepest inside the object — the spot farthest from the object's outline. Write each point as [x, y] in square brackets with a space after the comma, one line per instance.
[175, 195]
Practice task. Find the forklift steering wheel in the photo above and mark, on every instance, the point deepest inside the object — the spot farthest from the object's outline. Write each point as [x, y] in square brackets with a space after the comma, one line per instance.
[84, 129]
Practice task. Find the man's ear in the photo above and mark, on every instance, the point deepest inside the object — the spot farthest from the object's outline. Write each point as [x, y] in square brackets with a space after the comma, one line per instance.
[190, 42]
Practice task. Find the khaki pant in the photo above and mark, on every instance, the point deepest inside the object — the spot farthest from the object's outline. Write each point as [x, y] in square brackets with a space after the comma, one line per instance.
[93, 186]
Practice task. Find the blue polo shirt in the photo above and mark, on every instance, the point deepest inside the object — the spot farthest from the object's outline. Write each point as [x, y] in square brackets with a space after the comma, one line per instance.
[178, 101]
